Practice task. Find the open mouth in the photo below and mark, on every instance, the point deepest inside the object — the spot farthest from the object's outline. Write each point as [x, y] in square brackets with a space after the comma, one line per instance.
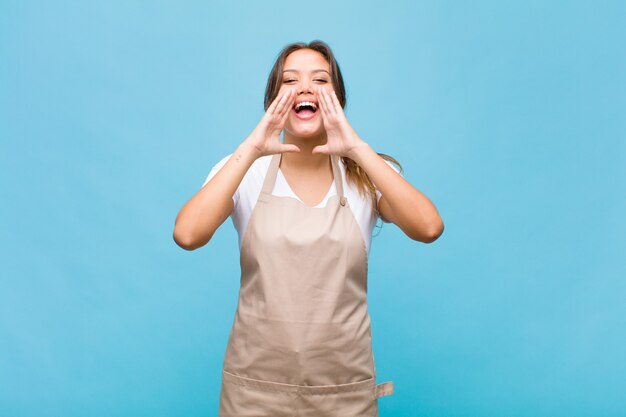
[305, 110]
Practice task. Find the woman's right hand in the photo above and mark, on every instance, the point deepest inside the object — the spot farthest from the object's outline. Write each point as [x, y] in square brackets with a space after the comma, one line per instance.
[265, 138]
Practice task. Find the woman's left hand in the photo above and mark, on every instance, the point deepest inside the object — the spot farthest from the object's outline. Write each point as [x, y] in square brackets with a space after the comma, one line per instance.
[342, 140]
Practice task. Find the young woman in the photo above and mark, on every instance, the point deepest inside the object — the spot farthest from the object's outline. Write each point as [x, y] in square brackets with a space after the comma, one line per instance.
[304, 210]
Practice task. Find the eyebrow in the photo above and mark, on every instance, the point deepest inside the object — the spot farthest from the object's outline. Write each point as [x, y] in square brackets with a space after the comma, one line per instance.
[316, 70]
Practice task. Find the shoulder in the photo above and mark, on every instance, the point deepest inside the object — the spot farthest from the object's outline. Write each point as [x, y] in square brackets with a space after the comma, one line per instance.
[221, 162]
[215, 168]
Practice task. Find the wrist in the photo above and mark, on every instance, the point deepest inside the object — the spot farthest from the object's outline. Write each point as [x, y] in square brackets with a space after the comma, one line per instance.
[359, 151]
[247, 151]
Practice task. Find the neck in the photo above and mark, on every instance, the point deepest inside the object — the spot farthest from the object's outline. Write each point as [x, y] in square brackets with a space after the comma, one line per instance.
[305, 159]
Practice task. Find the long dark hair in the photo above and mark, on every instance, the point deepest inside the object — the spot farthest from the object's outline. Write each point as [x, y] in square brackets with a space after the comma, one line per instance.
[354, 172]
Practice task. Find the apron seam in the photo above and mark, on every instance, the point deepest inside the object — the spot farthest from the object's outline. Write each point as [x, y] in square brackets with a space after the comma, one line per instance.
[253, 383]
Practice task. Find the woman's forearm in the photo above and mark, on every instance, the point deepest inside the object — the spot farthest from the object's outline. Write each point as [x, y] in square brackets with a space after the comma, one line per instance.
[200, 217]
[401, 203]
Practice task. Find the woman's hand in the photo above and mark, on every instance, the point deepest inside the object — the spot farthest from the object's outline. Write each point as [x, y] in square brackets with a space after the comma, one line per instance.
[341, 140]
[265, 138]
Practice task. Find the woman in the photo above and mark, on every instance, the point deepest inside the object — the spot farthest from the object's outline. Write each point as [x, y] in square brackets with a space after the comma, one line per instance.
[304, 209]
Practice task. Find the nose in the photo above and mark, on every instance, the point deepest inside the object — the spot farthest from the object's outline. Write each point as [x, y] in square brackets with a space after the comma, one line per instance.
[304, 87]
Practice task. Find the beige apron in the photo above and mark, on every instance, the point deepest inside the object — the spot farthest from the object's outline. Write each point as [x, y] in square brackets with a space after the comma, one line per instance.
[301, 342]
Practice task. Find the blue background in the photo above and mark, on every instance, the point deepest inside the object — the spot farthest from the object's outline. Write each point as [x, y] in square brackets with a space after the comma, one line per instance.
[508, 115]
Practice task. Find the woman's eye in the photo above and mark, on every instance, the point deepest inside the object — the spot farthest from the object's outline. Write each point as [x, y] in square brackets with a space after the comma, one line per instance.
[292, 80]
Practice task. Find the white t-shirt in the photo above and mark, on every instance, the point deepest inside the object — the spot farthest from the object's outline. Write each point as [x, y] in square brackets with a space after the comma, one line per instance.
[248, 192]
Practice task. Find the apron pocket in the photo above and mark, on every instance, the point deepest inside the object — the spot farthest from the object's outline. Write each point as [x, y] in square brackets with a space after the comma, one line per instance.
[347, 400]
[243, 396]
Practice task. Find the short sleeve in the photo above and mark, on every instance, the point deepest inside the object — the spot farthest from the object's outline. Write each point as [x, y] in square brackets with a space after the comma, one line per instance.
[378, 193]
[215, 170]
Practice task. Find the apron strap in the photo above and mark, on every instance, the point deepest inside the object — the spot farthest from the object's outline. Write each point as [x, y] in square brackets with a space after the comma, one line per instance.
[272, 171]
[270, 177]
[386, 388]
[334, 159]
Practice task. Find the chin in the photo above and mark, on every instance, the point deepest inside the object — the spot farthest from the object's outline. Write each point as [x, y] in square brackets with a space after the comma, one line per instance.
[306, 133]
[303, 130]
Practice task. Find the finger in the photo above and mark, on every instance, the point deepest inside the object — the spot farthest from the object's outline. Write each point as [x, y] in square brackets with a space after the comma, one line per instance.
[323, 149]
[279, 102]
[327, 103]
[287, 109]
[283, 104]
[289, 103]
[285, 116]
[276, 103]
[335, 101]
[272, 106]
[322, 102]
[289, 148]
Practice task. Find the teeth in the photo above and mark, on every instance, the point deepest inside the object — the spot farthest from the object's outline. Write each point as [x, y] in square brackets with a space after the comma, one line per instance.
[302, 103]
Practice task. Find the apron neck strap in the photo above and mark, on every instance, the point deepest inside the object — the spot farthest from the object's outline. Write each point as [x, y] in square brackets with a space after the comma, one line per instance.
[334, 159]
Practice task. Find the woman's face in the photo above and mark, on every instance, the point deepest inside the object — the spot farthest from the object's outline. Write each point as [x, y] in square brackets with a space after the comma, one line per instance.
[304, 70]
